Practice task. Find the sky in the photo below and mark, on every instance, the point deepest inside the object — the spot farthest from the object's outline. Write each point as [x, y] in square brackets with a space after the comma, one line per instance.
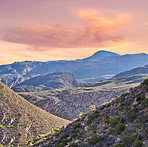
[45, 30]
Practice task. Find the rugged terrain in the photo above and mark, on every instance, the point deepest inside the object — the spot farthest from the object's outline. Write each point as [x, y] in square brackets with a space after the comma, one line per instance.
[101, 65]
[21, 121]
[68, 103]
[48, 81]
[121, 123]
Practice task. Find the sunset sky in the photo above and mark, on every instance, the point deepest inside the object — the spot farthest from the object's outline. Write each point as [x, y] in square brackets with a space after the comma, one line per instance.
[44, 30]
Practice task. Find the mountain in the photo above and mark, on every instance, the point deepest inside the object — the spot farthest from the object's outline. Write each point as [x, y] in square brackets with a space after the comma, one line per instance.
[68, 103]
[135, 71]
[100, 55]
[121, 123]
[104, 64]
[21, 121]
[47, 82]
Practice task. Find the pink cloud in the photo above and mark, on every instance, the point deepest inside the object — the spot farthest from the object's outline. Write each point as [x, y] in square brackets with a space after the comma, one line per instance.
[96, 31]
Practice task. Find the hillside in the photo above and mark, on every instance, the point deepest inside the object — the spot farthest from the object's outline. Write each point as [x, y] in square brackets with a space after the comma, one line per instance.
[48, 81]
[120, 123]
[21, 121]
[68, 103]
[101, 65]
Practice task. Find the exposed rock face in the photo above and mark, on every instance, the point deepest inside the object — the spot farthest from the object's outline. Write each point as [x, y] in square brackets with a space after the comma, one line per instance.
[115, 124]
[47, 82]
[21, 121]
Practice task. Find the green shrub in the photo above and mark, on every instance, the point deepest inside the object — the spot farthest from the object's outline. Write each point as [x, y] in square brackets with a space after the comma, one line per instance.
[20, 114]
[59, 145]
[64, 141]
[145, 81]
[145, 102]
[137, 143]
[73, 144]
[79, 136]
[119, 145]
[63, 135]
[91, 117]
[143, 119]
[19, 134]
[74, 135]
[120, 128]
[83, 145]
[128, 139]
[114, 120]
[76, 126]
[1, 126]
[132, 116]
[94, 139]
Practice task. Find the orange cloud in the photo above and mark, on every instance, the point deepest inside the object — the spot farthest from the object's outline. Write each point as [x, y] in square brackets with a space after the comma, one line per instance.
[96, 31]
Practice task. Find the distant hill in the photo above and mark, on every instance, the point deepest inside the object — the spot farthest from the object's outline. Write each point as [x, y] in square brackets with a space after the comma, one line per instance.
[70, 102]
[21, 121]
[47, 82]
[135, 71]
[97, 67]
[121, 123]
[100, 55]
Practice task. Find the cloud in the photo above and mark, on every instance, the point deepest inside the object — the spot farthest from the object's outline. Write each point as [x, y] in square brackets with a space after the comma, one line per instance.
[96, 31]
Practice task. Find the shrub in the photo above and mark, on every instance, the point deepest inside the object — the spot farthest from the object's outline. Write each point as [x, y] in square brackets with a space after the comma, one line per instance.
[132, 116]
[145, 81]
[74, 135]
[114, 120]
[19, 134]
[64, 135]
[83, 145]
[59, 145]
[145, 102]
[137, 143]
[128, 139]
[64, 141]
[73, 144]
[91, 117]
[76, 126]
[119, 145]
[20, 114]
[143, 119]
[120, 128]
[1, 126]
[94, 139]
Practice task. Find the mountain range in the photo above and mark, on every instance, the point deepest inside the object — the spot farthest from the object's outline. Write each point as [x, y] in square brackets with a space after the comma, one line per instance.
[101, 65]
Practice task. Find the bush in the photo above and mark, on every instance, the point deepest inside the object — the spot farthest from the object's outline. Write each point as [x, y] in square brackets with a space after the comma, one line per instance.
[145, 102]
[115, 120]
[64, 141]
[94, 139]
[132, 116]
[63, 135]
[137, 143]
[59, 145]
[2, 127]
[119, 145]
[74, 135]
[76, 126]
[145, 81]
[91, 117]
[73, 144]
[19, 134]
[120, 128]
[128, 139]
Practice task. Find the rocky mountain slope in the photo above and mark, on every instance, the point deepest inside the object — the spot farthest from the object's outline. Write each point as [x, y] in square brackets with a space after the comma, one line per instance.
[68, 103]
[120, 123]
[21, 121]
[47, 82]
[99, 66]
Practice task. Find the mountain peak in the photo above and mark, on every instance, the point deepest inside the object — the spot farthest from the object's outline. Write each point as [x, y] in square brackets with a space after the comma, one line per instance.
[100, 55]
